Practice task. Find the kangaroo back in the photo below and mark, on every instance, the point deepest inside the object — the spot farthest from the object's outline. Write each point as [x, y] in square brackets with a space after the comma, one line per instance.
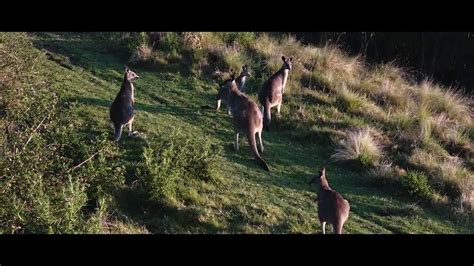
[246, 118]
[122, 108]
[271, 93]
[332, 207]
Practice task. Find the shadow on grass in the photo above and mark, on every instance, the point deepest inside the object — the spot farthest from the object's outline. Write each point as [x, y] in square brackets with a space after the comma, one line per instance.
[159, 218]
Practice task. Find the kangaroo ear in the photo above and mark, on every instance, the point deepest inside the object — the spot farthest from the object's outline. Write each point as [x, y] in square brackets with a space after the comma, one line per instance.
[291, 59]
[283, 58]
[126, 69]
[323, 171]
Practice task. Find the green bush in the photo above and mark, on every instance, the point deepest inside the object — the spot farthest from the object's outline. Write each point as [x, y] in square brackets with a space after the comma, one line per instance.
[171, 43]
[173, 160]
[167, 50]
[50, 171]
[417, 185]
[132, 41]
[45, 187]
[366, 160]
[242, 38]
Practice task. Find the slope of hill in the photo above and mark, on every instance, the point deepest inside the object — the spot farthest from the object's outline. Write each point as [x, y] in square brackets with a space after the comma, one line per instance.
[62, 173]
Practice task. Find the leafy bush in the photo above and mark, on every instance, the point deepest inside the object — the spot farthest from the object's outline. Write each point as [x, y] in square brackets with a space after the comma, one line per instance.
[241, 38]
[49, 171]
[174, 160]
[417, 185]
[172, 42]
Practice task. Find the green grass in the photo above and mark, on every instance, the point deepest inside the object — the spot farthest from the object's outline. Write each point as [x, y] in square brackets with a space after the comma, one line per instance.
[245, 199]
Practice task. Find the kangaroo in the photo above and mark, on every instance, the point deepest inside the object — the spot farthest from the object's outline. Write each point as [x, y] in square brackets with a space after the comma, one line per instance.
[121, 111]
[242, 78]
[246, 118]
[223, 93]
[271, 93]
[332, 207]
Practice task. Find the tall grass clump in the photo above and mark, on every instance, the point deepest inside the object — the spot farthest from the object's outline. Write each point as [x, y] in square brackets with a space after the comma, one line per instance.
[448, 174]
[358, 145]
[455, 105]
[332, 59]
[350, 101]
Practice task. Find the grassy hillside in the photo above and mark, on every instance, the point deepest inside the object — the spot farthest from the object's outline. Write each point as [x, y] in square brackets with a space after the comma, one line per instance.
[61, 173]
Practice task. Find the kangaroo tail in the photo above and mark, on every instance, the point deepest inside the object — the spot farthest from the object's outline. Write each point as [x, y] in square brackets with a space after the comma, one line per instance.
[117, 131]
[258, 158]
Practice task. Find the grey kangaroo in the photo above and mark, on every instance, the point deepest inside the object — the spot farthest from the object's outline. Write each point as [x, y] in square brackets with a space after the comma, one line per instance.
[271, 93]
[121, 111]
[332, 207]
[224, 89]
[247, 119]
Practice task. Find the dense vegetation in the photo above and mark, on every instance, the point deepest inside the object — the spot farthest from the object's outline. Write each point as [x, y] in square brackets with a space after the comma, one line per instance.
[400, 151]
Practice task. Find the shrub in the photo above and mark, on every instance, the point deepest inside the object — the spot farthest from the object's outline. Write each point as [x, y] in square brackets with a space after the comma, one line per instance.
[416, 183]
[143, 53]
[172, 42]
[44, 188]
[174, 160]
[448, 172]
[241, 38]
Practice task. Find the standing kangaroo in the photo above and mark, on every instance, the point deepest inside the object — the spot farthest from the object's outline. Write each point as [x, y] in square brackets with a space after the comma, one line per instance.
[246, 118]
[224, 89]
[332, 207]
[272, 91]
[121, 111]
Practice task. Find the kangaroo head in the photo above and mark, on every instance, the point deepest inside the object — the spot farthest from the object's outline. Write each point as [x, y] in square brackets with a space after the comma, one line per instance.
[245, 71]
[320, 179]
[130, 75]
[231, 82]
[322, 172]
[287, 62]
